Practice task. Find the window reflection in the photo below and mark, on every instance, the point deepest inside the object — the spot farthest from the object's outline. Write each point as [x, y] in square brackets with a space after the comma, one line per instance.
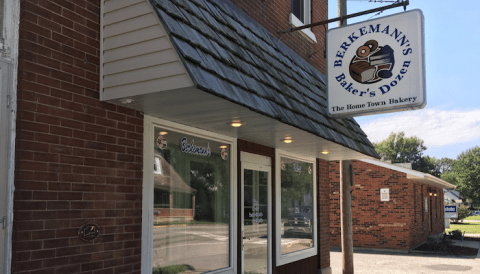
[191, 214]
[297, 218]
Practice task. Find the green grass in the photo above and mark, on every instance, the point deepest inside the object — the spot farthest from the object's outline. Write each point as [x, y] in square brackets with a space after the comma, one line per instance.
[172, 269]
[469, 228]
[472, 218]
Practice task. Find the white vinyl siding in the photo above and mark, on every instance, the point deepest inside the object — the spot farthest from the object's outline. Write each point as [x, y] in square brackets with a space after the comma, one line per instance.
[137, 55]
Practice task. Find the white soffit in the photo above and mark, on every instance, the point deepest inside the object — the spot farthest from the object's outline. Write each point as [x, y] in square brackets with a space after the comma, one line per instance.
[199, 109]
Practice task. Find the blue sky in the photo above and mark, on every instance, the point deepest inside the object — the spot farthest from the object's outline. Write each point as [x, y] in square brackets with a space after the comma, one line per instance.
[450, 122]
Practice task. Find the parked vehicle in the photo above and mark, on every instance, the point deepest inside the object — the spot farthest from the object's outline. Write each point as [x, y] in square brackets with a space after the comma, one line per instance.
[299, 225]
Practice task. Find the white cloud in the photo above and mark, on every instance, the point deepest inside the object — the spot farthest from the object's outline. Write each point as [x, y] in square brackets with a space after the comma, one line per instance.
[436, 127]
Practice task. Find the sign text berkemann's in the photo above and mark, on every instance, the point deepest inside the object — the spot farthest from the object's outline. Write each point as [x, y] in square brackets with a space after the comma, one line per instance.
[376, 66]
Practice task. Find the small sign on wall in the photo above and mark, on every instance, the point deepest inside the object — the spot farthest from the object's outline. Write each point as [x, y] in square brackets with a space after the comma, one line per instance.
[384, 194]
[426, 204]
[451, 212]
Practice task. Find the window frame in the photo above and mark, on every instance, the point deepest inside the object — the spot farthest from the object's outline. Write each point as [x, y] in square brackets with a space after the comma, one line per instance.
[147, 195]
[296, 22]
[282, 259]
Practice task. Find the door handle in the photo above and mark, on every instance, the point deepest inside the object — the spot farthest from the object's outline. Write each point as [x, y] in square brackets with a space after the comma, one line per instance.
[243, 240]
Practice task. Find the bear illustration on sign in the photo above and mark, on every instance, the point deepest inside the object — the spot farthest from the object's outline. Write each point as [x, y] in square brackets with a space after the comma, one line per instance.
[372, 63]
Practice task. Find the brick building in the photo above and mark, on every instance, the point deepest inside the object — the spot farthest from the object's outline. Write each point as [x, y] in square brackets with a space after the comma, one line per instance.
[412, 210]
[124, 112]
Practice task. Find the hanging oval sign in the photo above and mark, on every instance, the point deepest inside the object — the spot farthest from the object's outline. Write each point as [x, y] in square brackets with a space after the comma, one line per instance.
[89, 232]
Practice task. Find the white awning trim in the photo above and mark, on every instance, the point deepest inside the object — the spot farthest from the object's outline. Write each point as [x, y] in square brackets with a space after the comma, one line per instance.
[413, 174]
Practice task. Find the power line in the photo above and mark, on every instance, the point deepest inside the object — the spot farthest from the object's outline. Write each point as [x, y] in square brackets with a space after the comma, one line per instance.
[375, 1]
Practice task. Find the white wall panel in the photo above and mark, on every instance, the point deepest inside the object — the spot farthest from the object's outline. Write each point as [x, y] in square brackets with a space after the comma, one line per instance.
[133, 37]
[142, 48]
[144, 74]
[133, 24]
[126, 13]
[137, 54]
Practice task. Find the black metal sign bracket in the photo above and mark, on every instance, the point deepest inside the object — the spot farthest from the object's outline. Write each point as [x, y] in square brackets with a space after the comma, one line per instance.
[403, 4]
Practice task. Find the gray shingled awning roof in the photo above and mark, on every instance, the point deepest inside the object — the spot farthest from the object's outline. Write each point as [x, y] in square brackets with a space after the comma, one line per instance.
[229, 55]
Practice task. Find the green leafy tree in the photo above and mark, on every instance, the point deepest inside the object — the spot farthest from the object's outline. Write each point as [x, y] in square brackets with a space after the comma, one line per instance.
[444, 165]
[435, 167]
[465, 174]
[463, 213]
[450, 177]
[429, 165]
[400, 149]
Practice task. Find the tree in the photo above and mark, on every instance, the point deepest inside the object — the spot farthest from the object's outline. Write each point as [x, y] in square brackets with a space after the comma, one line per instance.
[429, 165]
[435, 167]
[463, 213]
[444, 165]
[399, 149]
[465, 174]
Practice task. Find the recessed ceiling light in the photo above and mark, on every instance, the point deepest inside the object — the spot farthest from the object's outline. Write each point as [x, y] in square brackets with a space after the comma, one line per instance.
[236, 123]
[162, 133]
[325, 152]
[224, 146]
[287, 140]
[126, 101]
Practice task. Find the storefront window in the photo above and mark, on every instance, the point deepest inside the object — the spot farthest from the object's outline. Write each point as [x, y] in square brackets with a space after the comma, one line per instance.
[191, 203]
[297, 223]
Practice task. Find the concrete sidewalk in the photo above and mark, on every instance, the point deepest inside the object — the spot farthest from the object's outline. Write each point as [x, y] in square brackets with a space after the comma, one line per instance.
[371, 262]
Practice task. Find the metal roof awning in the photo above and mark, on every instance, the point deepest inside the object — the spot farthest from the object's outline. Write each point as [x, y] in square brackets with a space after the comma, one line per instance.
[211, 64]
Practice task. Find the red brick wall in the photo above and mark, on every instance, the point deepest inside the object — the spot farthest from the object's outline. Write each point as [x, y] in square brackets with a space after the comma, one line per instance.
[396, 224]
[420, 228]
[78, 160]
[274, 16]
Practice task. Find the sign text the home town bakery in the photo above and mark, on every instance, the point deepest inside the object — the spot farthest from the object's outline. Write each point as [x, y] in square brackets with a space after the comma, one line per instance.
[377, 66]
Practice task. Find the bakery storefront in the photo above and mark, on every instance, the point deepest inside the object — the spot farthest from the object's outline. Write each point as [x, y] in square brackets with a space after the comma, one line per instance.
[236, 138]
[208, 197]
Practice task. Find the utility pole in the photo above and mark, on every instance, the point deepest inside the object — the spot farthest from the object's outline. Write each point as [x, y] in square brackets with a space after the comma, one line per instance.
[346, 179]
[346, 174]
[342, 11]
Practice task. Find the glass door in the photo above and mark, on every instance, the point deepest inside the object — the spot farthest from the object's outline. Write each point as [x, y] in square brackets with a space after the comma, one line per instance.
[256, 218]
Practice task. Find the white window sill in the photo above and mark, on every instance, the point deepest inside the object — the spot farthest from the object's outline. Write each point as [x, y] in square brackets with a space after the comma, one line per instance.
[297, 23]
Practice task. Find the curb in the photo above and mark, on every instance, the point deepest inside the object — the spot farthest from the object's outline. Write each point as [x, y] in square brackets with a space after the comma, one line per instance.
[372, 250]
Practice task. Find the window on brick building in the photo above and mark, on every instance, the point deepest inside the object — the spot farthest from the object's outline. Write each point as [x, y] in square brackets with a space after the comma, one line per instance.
[188, 197]
[298, 9]
[300, 14]
[295, 208]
